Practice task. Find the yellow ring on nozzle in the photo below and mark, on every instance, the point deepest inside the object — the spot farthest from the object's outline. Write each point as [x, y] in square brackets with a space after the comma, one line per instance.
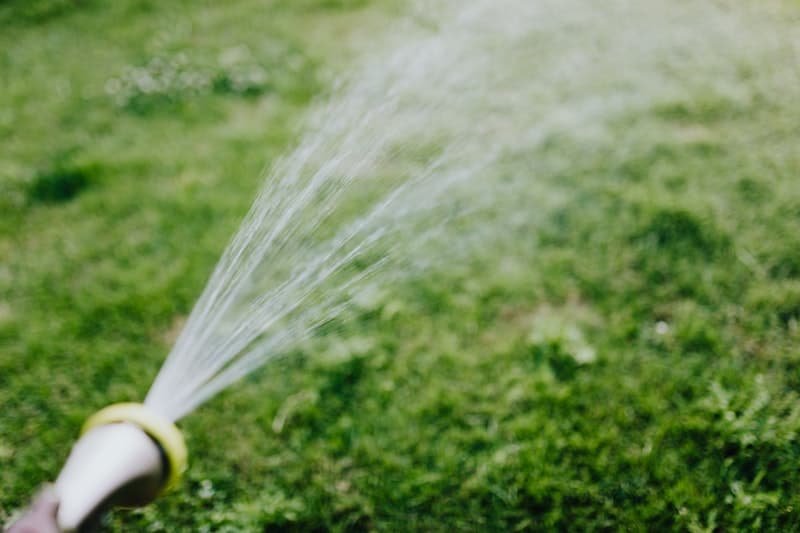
[160, 429]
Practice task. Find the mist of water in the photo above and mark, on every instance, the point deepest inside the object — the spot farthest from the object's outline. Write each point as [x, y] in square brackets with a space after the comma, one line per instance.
[399, 169]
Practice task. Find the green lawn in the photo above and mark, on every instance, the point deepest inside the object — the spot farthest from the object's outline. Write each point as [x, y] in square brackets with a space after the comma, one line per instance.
[628, 361]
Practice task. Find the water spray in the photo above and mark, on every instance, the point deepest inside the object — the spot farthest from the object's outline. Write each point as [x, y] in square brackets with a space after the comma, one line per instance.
[127, 456]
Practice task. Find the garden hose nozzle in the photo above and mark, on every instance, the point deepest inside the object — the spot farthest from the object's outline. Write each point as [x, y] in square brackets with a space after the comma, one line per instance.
[127, 456]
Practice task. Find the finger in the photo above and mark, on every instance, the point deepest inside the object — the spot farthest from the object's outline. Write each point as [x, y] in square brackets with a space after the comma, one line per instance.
[46, 501]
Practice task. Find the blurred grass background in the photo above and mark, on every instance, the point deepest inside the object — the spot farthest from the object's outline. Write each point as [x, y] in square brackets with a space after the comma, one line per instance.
[631, 364]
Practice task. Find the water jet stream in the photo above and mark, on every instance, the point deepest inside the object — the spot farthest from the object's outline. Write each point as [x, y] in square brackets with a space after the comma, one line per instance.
[415, 133]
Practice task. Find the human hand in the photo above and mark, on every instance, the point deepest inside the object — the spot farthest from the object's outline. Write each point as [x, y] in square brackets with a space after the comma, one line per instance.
[40, 516]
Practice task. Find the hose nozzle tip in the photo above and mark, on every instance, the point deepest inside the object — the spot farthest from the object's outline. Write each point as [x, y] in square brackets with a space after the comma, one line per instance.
[127, 455]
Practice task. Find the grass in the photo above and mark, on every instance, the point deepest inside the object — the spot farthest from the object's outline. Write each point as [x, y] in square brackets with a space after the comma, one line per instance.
[629, 362]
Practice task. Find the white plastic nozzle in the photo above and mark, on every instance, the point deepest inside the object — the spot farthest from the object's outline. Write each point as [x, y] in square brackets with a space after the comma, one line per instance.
[110, 464]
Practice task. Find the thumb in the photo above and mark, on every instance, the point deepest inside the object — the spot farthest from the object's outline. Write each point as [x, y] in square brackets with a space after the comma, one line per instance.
[46, 501]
